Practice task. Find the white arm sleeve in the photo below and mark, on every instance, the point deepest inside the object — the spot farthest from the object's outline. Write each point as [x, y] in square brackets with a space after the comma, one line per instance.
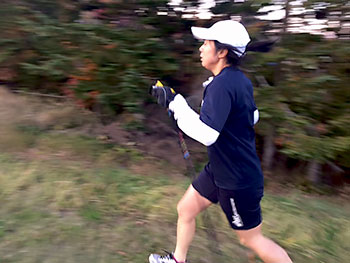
[256, 116]
[189, 122]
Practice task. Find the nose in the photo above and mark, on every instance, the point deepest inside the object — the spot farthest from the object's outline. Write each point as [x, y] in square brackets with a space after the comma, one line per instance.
[201, 48]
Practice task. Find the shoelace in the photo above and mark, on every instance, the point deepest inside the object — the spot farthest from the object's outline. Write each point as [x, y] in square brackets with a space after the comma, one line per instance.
[169, 256]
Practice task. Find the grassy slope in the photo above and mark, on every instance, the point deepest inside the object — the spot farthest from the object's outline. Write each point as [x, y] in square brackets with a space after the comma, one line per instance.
[69, 198]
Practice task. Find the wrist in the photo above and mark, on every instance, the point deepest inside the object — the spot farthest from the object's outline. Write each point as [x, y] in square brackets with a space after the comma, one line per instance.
[178, 105]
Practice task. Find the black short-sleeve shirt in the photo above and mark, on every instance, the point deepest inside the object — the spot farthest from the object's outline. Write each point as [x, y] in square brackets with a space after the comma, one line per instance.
[228, 107]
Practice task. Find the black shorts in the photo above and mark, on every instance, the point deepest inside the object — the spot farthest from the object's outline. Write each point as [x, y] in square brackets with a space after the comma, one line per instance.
[241, 207]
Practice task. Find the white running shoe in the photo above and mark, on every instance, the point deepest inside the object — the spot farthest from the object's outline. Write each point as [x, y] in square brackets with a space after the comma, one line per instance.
[169, 258]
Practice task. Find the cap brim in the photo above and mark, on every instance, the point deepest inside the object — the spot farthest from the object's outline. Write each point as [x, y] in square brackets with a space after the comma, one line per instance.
[201, 33]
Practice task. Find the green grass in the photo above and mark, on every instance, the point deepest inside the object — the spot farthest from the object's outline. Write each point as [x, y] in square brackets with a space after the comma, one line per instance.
[71, 198]
[81, 210]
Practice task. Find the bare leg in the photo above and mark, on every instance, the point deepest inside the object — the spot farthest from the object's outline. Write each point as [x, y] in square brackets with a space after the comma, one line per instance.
[191, 204]
[265, 248]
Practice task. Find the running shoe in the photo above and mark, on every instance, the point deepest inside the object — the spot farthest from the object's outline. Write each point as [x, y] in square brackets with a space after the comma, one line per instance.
[168, 258]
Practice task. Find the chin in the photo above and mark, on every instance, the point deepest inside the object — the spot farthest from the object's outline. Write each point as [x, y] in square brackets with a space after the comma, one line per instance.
[206, 67]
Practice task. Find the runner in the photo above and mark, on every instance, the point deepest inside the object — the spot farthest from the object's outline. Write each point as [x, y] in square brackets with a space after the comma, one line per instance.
[233, 176]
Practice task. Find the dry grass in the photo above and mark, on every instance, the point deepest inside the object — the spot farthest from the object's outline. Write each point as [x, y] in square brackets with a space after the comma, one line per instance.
[22, 118]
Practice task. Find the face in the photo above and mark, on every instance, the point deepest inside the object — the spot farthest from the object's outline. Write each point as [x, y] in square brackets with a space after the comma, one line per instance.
[209, 56]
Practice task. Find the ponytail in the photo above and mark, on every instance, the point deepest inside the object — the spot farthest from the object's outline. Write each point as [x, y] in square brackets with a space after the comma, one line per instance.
[260, 46]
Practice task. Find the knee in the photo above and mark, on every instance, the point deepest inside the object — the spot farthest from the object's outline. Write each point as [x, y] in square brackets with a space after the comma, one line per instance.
[181, 209]
[184, 212]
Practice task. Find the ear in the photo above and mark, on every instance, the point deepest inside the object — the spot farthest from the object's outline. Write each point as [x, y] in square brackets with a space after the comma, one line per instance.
[222, 53]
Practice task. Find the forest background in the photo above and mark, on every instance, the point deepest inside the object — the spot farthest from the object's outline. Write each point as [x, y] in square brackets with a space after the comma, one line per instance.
[89, 65]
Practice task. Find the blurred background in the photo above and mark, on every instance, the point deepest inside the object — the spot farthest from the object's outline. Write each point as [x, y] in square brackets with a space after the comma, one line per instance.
[90, 167]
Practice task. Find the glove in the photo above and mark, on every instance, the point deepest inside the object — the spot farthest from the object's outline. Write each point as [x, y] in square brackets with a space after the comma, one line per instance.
[179, 106]
[163, 94]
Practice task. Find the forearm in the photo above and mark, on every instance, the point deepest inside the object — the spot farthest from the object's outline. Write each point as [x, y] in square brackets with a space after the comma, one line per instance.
[189, 122]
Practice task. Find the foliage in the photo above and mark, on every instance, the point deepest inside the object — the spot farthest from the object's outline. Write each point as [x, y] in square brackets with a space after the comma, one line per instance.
[239, 8]
[306, 98]
[104, 54]
[109, 63]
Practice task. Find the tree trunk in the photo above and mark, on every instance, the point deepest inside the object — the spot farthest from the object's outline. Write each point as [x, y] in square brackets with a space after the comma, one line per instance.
[314, 172]
[269, 150]
[285, 24]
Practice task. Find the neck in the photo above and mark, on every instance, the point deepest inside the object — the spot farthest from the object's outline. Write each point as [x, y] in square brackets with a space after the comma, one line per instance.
[219, 67]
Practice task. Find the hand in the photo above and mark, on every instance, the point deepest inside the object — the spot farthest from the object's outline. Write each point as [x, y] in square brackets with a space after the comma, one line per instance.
[178, 106]
[163, 94]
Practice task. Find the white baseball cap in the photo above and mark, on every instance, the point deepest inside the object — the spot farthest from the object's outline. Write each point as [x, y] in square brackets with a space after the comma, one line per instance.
[226, 32]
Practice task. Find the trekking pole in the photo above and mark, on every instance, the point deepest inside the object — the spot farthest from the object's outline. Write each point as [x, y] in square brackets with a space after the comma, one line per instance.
[208, 223]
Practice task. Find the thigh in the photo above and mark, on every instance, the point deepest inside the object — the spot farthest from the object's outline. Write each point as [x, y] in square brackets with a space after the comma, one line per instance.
[192, 203]
[205, 185]
[242, 207]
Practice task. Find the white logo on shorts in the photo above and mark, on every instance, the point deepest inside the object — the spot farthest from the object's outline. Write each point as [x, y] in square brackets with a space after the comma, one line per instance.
[236, 218]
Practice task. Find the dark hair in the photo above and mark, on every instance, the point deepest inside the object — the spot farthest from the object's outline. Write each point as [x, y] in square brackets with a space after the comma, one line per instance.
[233, 59]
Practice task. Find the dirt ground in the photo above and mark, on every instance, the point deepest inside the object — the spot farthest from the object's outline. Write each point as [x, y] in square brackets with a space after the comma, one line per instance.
[159, 138]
